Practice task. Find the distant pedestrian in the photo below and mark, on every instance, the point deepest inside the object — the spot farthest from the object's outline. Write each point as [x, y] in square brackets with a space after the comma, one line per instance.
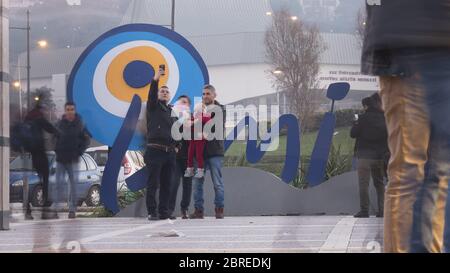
[371, 137]
[71, 143]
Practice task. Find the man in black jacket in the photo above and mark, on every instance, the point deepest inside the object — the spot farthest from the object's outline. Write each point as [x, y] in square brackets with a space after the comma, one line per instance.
[161, 149]
[214, 154]
[71, 143]
[407, 44]
[371, 137]
[39, 123]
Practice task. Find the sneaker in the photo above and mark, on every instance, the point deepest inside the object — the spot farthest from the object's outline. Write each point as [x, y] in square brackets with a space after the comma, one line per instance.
[184, 215]
[219, 213]
[200, 173]
[153, 217]
[361, 214]
[72, 215]
[189, 172]
[198, 214]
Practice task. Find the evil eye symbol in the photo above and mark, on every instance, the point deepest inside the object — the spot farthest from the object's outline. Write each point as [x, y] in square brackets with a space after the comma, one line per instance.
[121, 64]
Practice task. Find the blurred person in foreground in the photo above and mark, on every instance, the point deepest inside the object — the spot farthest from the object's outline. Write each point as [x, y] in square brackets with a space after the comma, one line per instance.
[39, 124]
[407, 44]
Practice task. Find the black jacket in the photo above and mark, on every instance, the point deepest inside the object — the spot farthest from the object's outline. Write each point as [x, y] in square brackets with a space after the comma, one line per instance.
[215, 147]
[397, 26]
[159, 119]
[39, 124]
[371, 135]
[72, 141]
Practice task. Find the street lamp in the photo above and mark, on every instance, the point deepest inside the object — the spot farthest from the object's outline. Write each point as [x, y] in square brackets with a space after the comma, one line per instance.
[294, 18]
[278, 71]
[16, 84]
[42, 43]
[269, 13]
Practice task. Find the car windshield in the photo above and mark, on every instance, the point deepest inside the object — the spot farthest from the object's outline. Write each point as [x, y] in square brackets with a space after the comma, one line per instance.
[101, 157]
[24, 163]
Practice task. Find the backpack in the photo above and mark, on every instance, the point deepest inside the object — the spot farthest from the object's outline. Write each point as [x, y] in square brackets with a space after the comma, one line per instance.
[23, 137]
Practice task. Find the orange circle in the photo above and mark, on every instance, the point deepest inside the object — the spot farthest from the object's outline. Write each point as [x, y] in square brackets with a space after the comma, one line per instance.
[114, 77]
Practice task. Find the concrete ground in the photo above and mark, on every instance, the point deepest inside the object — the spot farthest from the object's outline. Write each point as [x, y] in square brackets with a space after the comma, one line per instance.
[296, 234]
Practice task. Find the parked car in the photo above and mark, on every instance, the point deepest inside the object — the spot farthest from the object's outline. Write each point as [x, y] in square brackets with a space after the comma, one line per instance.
[132, 162]
[88, 186]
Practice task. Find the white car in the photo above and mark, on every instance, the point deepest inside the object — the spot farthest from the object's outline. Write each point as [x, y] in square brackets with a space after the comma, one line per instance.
[132, 162]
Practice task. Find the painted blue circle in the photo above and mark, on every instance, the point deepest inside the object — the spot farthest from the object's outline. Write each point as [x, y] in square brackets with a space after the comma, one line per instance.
[193, 75]
[138, 74]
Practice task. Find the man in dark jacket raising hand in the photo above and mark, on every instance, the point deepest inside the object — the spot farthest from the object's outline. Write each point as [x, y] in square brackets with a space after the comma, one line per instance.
[160, 156]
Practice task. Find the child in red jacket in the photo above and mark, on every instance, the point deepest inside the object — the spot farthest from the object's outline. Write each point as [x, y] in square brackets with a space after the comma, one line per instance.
[197, 145]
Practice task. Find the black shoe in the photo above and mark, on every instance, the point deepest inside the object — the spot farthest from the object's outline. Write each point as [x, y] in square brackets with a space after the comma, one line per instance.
[164, 217]
[361, 214]
[153, 217]
[47, 215]
[29, 217]
[173, 217]
[380, 215]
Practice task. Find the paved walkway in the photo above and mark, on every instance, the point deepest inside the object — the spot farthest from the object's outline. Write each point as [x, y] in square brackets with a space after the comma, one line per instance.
[233, 234]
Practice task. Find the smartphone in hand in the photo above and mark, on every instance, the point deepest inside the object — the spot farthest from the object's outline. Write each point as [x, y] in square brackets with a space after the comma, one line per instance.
[163, 69]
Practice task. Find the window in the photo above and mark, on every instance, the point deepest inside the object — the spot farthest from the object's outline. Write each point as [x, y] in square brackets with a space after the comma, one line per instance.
[141, 159]
[90, 163]
[134, 158]
[101, 157]
[81, 165]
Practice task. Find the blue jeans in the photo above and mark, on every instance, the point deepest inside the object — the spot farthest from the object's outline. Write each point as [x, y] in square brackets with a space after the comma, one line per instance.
[434, 76]
[58, 189]
[214, 165]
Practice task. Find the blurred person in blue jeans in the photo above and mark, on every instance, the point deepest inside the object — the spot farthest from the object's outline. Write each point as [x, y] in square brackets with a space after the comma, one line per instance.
[72, 141]
[214, 154]
[407, 44]
[433, 75]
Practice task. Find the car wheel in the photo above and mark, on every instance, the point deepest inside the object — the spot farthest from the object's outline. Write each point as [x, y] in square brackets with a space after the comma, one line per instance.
[37, 196]
[93, 197]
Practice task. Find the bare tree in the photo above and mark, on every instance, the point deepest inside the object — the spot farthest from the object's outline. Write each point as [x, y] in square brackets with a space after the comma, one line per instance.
[361, 26]
[293, 48]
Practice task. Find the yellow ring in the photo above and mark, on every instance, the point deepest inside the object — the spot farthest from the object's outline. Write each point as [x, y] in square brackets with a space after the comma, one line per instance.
[114, 77]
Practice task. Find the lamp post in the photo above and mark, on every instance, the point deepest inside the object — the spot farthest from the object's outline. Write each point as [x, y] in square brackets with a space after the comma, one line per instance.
[172, 25]
[28, 30]
[4, 117]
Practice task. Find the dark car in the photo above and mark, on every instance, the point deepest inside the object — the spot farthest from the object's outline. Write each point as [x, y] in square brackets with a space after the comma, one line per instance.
[88, 186]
